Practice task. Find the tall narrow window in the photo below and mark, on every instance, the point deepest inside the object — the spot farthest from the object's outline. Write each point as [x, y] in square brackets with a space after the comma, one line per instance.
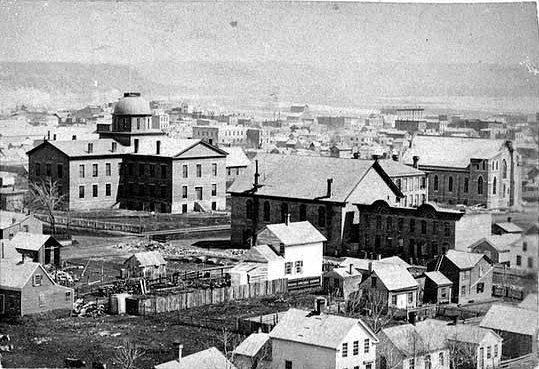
[199, 170]
[321, 216]
[135, 144]
[412, 225]
[107, 169]
[163, 171]
[60, 170]
[435, 183]
[466, 183]
[504, 169]
[214, 169]
[423, 226]
[249, 209]
[266, 211]
[81, 171]
[158, 148]
[494, 184]
[48, 169]
[94, 170]
[399, 183]
[450, 184]
[214, 189]
[81, 192]
[302, 212]
[480, 185]
[38, 169]
[185, 171]
[284, 212]
[94, 190]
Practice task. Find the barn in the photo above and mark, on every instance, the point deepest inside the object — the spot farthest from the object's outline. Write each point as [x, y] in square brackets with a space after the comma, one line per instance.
[150, 264]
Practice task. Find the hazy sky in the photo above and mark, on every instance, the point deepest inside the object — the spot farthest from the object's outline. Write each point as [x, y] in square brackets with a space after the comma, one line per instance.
[140, 33]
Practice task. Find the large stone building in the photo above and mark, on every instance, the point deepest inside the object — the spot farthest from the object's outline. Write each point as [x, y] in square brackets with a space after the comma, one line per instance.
[321, 190]
[468, 171]
[133, 166]
[419, 234]
[411, 181]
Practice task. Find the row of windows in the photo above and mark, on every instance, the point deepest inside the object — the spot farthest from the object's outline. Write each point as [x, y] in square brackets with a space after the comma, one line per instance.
[409, 184]
[391, 225]
[48, 170]
[417, 248]
[355, 347]
[147, 170]
[250, 213]
[95, 170]
[95, 190]
[289, 267]
[428, 361]
[450, 184]
[519, 261]
[150, 190]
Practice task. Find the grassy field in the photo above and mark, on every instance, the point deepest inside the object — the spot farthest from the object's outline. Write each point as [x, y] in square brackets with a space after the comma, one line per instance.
[45, 341]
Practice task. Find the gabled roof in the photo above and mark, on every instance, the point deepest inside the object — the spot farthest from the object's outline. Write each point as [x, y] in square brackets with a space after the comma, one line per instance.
[148, 258]
[530, 302]
[31, 241]
[343, 272]
[511, 319]
[252, 345]
[451, 152]
[438, 278]
[236, 157]
[394, 277]
[15, 274]
[261, 254]
[408, 340]
[318, 330]
[363, 264]
[296, 233]
[396, 169]
[509, 227]
[171, 147]
[463, 259]
[7, 217]
[288, 175]
[207, 359]
[79, 148]
[533, 229]
[396, 261]
[499, 242]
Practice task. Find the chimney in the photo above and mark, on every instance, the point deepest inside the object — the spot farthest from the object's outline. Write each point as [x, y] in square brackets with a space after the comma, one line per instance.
[287, 219]
[351, 270]
[379, 257]
[415, 158]
[90, 148]
[370, 266]
[375, 156]
[256, 174]
[329, 181]
[411, 317]
[319, 305]
[114, 146]
[48, 135]
[395, 157]
[74, 137]
[509, 219]
[180, 352]
[13, 220]
[3, 256]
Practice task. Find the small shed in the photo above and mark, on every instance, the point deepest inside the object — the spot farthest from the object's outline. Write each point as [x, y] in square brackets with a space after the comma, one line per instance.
[39, 248]
[150, 264]
[247, 273]
[341, 282]
[253, 352]
[437, 288]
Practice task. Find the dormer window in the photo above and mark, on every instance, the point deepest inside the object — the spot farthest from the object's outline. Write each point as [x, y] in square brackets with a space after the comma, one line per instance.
[90, 148]
[36, 280]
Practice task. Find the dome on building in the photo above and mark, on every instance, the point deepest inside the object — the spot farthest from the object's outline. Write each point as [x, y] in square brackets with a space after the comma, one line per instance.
[132, 104]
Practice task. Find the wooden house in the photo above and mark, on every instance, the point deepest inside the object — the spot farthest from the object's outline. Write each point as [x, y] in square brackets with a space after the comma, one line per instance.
[39, 248]
[150, 264]
[11, 223]
[341, 282]
[437, 288]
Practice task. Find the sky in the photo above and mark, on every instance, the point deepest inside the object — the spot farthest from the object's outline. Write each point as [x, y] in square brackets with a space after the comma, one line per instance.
[334, 34]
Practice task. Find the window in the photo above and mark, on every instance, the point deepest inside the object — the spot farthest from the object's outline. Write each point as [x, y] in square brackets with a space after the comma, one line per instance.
[400, 224]
[495, 350]
[48, 169]
[519, 260]
[26, 228]
[266, 211]
[494, 184]
[428, 364]
[378, 222]
[480, 287]
[447, 229]
[284, 212]
[288, 267]
[321, 216]
[423, 182]
[530, 262]
[410, 297]
[94, 190]
[466, 183]
[135, 144]
[366, 346]
[355, 348]
[411, 364]
[163, 171]
[228, 171]
[524, 246]
[214, 169]
[399, 183]
[152, 170]
[302, 212]
[373, 281]
[199, 170]
[412, 225]
[480, 185]
[249, 209]
[158, 147]
[198, 193]
[389, 223]
[435, 183]
[504, 169]
[68, 295]
[184, 192]
[214, 189]
[394, 300]
[81, 192]
[36, 279]
[299, 266]
[41, 300]
[130, 169]
[367, 366]
[94, 170]
[163, 193]
[60, 170]
[423, 226]
[344, 349]
[484, 164]
[463, 290]
[108, 189]
[185, 171]
[287, 364]
[141, 169]
[443, 293]
[450, 184]
[441, 358]
[38, 169]
[81, 171]
[114, 146]
[489, 352]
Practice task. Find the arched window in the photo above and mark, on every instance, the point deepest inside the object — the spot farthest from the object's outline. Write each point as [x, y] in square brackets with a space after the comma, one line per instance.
[284, 212]
[302, 212]
[484, 165]
[249, 209]
[435, 183]
[494, 184]
[497, 165]
[480, 185]
[321, 216]
[266, 211]
[466, 183]
[450, 184]
[504, 169]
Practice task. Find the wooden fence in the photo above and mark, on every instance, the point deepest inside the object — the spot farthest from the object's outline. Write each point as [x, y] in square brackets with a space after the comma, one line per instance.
[151, 304]
[62, 221]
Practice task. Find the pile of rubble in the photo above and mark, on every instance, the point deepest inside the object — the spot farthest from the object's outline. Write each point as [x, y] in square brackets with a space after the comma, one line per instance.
[60, 276]
[91, 309]
[144, 245]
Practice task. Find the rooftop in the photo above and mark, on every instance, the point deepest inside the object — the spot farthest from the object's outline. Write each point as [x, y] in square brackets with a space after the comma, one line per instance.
[14, 274]
[7, 217]
[509, 227]
[236, 157]
[148, 258]
[78, 148]
[394, 277]
[396, 169]
[438, 278]
[530, 302]
[499, 242]
[132, 104]
[252, 345]
[296, 233]
[260, 254]
[463, 259]
[510, 319]
[31, 241]
[207, 359]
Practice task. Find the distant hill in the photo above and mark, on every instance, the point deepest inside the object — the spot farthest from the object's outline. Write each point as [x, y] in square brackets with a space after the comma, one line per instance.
[247, 84]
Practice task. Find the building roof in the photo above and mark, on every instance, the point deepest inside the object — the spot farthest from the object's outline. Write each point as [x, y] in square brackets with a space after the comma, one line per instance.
[463, 259]
[343, 272]
[396, 169]
[468, 333]
[281, 174]
[247, 267]
[207, 359]
[410, 341]
[132, 104]
[296, 233]
[15, 274]
[500, 242]
[261, 254]
[322, 330]
[79, 148]
[509, 227]
[530, 302]
[148, 258]
[236, 157]
[252, 345]
[363, 264]
[31, 241]
[173, 147]
[451, 152]
[395, 260]
[438, 278]
[8, 218]
[394, 277]
[510, 319]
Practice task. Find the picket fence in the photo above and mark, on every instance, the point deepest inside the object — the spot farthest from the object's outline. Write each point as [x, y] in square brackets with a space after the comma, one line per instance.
[154, 304]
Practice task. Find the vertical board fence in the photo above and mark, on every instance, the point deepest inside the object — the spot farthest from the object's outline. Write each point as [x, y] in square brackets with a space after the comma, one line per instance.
[152, 304]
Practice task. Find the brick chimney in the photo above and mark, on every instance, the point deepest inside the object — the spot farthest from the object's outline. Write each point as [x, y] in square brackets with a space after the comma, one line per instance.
[415, 158]
[329, 182]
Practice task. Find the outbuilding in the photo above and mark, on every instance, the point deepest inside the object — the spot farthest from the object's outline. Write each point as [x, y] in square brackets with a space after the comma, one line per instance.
[150, 264]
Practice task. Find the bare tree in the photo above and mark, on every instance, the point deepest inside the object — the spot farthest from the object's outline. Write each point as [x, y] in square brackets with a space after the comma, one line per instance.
[462, 355]
[373, 303]
[127, 355]
[45, 195]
